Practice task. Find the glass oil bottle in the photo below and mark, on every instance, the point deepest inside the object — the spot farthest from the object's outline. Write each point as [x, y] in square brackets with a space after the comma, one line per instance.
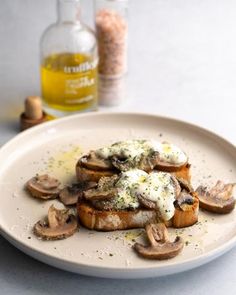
[69, 61]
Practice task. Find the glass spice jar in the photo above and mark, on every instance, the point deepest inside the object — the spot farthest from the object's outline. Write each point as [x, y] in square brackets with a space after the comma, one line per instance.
[111, 21]
[69, 61]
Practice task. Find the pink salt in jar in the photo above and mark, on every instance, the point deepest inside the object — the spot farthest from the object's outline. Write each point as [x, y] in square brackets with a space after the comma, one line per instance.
[111, 20]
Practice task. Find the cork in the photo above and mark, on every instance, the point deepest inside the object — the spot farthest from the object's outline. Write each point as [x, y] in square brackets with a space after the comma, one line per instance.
[33, 114]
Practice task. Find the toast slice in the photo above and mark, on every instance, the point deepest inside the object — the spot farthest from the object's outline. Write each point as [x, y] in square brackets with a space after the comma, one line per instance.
[112, 220]
[133, 154]
[98, 211]
[106, 208]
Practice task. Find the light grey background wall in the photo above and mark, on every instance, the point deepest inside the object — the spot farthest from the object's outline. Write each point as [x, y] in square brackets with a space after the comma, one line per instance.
[179, 50]
[22, 23]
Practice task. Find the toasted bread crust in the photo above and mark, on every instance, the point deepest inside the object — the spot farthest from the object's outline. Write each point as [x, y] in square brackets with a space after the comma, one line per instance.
[114, 220]
[119, 220]
[186, 217]
[85, 174]
[184, 173]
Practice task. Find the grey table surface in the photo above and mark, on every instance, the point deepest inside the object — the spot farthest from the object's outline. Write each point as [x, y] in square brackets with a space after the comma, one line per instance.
[182, 61]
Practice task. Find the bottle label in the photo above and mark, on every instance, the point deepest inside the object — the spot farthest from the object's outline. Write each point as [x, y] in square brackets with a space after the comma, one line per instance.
[83, 67]
[71, 85]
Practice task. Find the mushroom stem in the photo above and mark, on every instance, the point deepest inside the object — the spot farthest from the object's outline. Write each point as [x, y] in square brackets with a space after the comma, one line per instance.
[157, 233]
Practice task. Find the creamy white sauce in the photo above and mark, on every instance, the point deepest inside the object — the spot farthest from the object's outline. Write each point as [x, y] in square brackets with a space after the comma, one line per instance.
[156, 186]
[126, 198]
[159, 188]
[128, 149]
[169, 153]
[133, 150]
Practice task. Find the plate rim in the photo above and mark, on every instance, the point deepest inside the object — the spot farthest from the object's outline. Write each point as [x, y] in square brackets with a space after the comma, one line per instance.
[94, 114]
[171, 267]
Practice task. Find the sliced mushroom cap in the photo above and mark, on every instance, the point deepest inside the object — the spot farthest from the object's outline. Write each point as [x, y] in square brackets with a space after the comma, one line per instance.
[185, 198]
[148, 163]
[96, 195]
[159, 247]
[153, 205]
[177, 186]
[92, 161]
[43, 187]
[145, 163]
[103, 195]
[122, 164]
[147, 203]
[71, 194]
[104, 190]
[219, 199]
[60, 224]
[107, 182]
[103, 205]
[184, 184]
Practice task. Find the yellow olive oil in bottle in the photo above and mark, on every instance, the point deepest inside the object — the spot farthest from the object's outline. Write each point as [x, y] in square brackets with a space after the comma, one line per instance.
[69, 63]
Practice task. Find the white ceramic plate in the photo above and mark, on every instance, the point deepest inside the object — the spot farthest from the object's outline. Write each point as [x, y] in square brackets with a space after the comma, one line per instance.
[54, 148]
